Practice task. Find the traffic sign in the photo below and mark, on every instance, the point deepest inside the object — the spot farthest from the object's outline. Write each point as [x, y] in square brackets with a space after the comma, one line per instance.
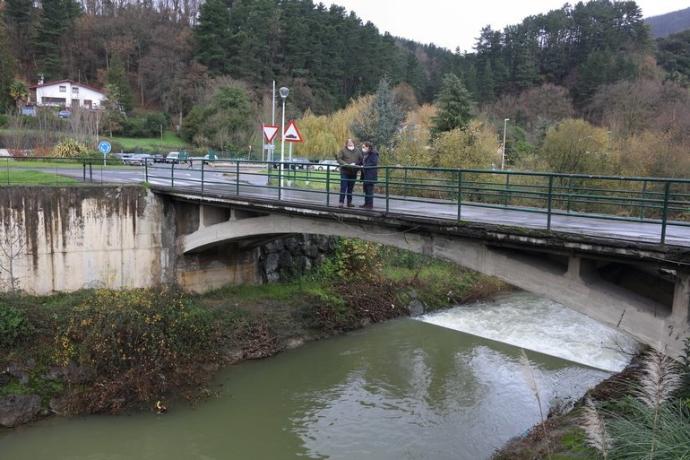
[292, 134]
[104, 147]
[270, 132]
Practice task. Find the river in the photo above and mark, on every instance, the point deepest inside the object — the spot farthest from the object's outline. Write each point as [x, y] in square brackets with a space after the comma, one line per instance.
[436, 387]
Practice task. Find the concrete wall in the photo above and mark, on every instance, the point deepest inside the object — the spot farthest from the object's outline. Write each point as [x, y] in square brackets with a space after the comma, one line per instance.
[65, 239]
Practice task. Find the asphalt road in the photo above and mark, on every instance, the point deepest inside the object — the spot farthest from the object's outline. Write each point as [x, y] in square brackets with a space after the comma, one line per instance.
[253, 183]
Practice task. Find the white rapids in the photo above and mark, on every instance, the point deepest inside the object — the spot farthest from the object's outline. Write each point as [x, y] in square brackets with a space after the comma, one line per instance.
[527, 321]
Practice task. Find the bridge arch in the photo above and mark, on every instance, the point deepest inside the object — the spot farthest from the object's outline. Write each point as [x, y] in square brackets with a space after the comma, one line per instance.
[573, 284]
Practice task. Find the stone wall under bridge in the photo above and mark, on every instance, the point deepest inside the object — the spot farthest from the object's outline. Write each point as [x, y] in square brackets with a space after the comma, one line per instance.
[61, 239]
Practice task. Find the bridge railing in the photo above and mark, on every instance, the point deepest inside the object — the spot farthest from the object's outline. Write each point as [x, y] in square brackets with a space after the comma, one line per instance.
[448, 192]
[458, 194]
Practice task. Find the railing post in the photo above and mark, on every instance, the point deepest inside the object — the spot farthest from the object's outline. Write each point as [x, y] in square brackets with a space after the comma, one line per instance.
[459, 195]
[237, 178]
[83, 167]
[550, 200]
[7, 161]
[146, 170]
[172, 175]
[202, 177]
[507, 188]
[405, 182]
[664, 214]
[644, 194]
[387, 189]
[280, 180]
[91, 171]
[570, 192]
[328, 185]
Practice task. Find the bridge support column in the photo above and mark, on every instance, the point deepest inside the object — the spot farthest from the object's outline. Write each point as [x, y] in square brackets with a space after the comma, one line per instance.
[681, 298]
[578, 268]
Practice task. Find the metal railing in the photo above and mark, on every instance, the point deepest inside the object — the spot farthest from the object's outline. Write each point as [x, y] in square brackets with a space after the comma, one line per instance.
[445, 193]
[433, 191]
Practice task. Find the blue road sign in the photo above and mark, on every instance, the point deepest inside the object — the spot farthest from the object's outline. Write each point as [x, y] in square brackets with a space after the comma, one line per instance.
[104, 147]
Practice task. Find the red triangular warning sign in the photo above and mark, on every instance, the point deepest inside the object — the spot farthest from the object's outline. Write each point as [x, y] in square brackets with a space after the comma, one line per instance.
[292, 134]
[270, 132]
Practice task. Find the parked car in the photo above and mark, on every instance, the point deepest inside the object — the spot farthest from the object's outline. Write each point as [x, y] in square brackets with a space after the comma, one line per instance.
[158, 158]
[64, 113]
[327, 164]
[176, 157]
[137, 159]
[300, 163]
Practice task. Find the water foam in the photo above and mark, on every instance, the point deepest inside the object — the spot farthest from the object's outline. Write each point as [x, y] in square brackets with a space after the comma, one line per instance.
[534, 323]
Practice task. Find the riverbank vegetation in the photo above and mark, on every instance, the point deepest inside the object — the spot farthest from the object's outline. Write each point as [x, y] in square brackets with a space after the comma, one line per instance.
[641, 413]
[101, 351]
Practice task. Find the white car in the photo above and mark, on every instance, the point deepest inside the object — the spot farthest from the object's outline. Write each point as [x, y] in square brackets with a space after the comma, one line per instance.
[323, 165]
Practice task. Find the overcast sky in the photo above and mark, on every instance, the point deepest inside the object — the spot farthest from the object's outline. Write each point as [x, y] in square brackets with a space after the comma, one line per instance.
[456, 23]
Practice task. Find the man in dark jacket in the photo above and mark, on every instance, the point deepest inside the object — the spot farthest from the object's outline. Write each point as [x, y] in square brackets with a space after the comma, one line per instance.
[349, 159]
[370, 173]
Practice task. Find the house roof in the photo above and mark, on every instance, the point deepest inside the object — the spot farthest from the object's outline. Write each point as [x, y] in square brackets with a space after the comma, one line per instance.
[75, 83]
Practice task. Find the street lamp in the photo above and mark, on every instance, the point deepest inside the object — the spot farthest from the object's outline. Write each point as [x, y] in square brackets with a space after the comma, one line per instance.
[503, 153]
[284, 92]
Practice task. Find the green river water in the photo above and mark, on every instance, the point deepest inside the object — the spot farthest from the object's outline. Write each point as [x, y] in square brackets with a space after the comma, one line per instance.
[406, 389]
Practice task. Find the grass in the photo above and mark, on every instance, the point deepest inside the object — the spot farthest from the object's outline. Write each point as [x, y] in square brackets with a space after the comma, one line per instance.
[170, 140]
[13, 177]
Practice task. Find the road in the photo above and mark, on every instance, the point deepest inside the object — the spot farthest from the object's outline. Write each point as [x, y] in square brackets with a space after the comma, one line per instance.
[253, 183]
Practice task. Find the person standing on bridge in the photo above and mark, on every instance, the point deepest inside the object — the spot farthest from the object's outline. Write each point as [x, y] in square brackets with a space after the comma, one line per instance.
[349, 159]
[370, 173]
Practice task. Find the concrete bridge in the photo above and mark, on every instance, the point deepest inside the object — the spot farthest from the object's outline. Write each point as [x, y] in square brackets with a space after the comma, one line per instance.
[641, 287]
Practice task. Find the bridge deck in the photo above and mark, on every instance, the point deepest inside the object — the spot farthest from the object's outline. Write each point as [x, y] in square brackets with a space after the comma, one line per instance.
[253, 183]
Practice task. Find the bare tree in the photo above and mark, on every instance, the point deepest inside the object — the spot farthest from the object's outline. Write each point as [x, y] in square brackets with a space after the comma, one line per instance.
[12, 247]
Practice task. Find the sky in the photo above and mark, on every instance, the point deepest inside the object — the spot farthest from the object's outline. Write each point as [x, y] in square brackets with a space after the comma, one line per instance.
[456, 23]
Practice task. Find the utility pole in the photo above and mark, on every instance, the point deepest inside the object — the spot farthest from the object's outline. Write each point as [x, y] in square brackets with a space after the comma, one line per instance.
[273, 120]
[503, 153]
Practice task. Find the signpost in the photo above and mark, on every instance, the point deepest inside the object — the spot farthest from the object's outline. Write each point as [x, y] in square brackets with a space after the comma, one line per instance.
[104, 147]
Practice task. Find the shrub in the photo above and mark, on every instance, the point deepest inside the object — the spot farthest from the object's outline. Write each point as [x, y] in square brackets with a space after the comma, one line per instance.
[70, 148]
[138, 342]
[14, 326]
[354, 259]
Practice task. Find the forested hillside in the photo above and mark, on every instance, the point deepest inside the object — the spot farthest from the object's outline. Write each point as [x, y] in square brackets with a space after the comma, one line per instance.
[669, 23]
[205, 68]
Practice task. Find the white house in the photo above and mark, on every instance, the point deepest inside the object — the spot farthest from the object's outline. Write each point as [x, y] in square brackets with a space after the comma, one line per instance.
[67, 93]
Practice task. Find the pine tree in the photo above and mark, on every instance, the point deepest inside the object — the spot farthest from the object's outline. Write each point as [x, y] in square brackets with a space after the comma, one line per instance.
[454, 105]
[485, 83]
[380, 122]
[57, 17]
[211, 36]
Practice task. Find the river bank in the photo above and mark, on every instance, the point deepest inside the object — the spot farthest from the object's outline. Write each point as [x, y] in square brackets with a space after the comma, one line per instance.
[110, 351]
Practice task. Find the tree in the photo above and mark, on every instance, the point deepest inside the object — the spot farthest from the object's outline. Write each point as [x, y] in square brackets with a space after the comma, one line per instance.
[18, 92]
[380, 122]
[476, 146]
[6, 70]
[454, 105]
[575, 146]
[57, 17]
[120, 91]
[224, 118]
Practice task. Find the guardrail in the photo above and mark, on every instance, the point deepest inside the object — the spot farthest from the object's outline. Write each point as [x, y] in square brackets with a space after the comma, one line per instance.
[441, 192]
[661, 201]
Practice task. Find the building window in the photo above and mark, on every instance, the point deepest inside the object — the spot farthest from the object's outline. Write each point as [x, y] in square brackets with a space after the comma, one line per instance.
[63, 89]
[75, 90]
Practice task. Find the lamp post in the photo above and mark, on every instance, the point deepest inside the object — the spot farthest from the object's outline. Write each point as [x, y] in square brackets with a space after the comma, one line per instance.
[503, 153]
[283, 94]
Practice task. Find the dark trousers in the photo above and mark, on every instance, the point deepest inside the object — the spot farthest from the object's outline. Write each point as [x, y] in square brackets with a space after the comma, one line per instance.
[368, 192]
[347, 185]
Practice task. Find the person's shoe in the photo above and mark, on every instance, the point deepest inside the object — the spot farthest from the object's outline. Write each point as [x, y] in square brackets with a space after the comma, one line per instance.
[341, 205]
[350, 205]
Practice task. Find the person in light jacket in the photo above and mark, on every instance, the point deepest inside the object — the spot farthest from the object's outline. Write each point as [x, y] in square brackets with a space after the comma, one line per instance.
[370, 173]
[349, 159]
